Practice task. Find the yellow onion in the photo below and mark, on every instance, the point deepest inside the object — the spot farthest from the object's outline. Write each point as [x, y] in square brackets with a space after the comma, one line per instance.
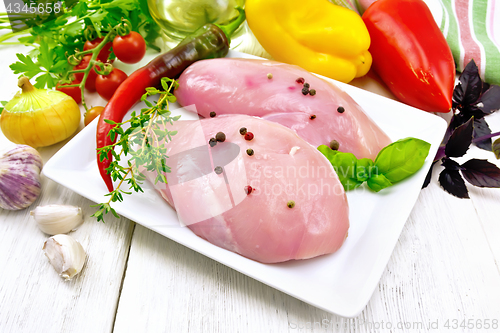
[39, 117]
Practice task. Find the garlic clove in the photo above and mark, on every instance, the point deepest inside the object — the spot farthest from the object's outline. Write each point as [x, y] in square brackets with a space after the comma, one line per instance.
[65, 254]
[57, 219]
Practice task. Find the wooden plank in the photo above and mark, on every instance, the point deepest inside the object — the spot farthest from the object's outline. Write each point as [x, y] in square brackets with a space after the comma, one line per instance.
[33, 298]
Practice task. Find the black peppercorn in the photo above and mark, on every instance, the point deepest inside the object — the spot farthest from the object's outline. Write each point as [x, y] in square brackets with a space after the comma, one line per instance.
[312, 92]
[212, 114]
[243, 130]
[212, 142]
[340, 109]
[305, 91]
[250, 151]
[334, 145]
[221, 137]
[218, 170]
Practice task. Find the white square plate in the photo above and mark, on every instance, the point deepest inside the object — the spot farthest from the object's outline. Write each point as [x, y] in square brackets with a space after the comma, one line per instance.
[341, 283]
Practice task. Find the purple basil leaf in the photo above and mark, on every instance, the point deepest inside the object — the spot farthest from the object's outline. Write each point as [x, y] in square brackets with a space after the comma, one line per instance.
[481, 173]
[469, 87]
[469, 111]
[481, 128]
[451, 164]
[429, 175]
[453, 183]
[456, 120]
[460, 140]
[486, 86]
[489, 101]
[496, 148]
[440, 153]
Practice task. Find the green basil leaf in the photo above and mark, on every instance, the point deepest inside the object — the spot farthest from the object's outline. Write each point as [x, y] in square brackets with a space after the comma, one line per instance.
[345, 165]
[364, 168]
[401, 159]
[378, 182]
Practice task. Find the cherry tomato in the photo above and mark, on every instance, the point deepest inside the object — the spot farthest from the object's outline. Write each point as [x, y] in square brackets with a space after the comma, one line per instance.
[130, 48]
[105, 51]
[82, 65]
[92, 113]
[107, 85]
[73, 92]
[90, 83]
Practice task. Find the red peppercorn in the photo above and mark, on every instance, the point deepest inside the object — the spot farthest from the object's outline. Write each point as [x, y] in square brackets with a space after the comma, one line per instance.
[248, 189]
[300, 80]
[249, 136]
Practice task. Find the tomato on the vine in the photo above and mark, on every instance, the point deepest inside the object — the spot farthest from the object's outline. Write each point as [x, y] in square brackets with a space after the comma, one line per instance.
[106, 85]
[130, 48]
[91, 114]
[105, 51]
[73, 92]
[90, 83]
[82, 65]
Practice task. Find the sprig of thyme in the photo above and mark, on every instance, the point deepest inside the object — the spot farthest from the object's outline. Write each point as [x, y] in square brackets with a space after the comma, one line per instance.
[144, 142]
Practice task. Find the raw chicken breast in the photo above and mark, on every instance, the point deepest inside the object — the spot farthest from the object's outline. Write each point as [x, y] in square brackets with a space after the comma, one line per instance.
[242, 86]
[296, 207]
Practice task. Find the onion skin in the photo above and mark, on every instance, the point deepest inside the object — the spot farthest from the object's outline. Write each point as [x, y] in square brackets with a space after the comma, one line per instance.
[39, 117]
[19, 177]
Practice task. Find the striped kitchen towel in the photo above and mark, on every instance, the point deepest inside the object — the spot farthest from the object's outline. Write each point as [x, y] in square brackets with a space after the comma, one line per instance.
[472, 30]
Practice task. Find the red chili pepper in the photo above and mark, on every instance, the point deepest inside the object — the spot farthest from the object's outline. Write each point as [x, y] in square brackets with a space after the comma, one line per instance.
[410, 53]
[210, 41]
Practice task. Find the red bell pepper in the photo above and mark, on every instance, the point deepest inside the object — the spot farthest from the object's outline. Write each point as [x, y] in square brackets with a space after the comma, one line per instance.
[410, 53]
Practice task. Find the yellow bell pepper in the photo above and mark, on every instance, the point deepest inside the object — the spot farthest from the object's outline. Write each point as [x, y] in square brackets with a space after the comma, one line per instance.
[316, 35]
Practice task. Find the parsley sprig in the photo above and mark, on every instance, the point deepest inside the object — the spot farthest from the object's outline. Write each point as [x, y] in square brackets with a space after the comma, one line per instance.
[53, 41]
[144, 142]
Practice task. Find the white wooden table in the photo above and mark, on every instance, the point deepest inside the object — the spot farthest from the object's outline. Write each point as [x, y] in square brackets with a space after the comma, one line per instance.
[444, 269]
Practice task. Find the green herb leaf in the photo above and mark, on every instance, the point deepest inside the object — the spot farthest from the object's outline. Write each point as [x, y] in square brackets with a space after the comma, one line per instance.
[496, 148]
[143, 141]
[396, 162]
[25, 65]
[378, 182]
[345, 165]
[402, 158]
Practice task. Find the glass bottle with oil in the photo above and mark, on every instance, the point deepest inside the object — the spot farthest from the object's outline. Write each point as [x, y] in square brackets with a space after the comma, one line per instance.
[179, 18]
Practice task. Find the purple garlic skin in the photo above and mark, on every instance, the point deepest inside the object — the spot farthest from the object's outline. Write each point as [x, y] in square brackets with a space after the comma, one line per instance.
[19, 177]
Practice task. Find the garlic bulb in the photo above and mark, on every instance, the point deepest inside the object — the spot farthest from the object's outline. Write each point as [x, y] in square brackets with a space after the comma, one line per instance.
[65, 254]
[39, 117]
[57, 219]
[19, 177]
